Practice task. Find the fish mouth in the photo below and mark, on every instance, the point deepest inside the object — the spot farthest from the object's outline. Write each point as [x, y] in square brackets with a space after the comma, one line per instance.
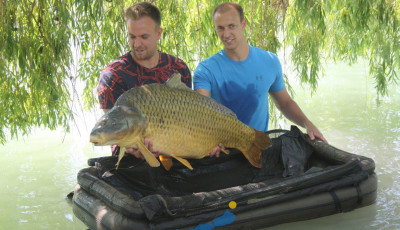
[96, 143]
[102, 142]
[96, 140]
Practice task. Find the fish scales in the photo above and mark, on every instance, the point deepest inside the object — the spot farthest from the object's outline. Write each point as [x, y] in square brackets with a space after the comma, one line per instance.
[173, 118]
[185, 124]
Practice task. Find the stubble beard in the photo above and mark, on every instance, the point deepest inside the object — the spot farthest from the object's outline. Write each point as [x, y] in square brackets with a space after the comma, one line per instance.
[146, 55]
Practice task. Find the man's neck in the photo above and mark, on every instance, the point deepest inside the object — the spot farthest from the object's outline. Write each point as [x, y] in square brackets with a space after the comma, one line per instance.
[240, 53]
[148, 63]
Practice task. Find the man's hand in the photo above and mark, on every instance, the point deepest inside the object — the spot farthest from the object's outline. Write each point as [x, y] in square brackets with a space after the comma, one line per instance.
[216, 151]
[313, 132]
[136, 152]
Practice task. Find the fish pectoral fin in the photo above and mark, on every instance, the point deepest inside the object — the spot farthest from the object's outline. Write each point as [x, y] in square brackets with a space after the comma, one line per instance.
[183, 161]
[166, 162]
[120, 155]
[148, 156]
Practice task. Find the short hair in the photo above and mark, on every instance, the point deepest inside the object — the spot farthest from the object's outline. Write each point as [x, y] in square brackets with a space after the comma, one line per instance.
[223, 7]
[143, 9]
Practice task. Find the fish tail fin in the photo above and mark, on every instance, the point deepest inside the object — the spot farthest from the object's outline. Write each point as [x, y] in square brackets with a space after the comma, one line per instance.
[253, 154]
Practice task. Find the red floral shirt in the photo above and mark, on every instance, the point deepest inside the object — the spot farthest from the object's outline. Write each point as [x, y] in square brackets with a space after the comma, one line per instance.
[124, 73]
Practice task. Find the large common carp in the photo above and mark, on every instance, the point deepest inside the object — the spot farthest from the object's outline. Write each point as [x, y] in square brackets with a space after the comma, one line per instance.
[181, 123]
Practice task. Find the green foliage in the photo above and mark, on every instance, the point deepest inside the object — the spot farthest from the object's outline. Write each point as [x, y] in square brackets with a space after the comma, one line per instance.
[345, 30]
[100, 35]
[306, 31]
[41, 39]
[34, 65]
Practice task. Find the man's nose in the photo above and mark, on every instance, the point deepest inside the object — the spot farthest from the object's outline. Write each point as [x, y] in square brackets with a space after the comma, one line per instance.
[137, 43]
[226, 33]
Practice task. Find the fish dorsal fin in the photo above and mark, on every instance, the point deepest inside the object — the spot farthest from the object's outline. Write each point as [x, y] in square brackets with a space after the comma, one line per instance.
[176, 82]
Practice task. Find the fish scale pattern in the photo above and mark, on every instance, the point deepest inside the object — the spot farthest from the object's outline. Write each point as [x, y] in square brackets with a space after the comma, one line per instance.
[185, 123]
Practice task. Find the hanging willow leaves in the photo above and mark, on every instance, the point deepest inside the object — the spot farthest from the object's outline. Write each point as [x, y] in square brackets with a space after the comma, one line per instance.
[44, 42]
[34, 65]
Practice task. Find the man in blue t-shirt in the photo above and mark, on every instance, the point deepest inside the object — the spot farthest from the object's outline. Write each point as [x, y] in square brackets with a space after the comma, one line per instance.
[242, 86]
[241, 76]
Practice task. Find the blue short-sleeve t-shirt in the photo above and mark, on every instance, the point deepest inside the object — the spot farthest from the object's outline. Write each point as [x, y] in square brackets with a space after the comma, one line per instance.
[242, 86]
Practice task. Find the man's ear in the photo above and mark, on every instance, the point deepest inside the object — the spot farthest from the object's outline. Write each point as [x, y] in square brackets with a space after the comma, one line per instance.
[244, 23]
[159, 32]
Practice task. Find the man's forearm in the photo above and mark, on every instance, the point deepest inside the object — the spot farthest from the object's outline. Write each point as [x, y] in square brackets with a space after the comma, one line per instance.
[293, 112]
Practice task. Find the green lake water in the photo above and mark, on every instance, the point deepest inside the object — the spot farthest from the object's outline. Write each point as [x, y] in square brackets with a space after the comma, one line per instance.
[38, 171]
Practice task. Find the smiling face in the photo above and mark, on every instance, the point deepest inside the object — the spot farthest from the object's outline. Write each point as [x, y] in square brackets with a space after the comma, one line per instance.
[143, 36]
[229, 28]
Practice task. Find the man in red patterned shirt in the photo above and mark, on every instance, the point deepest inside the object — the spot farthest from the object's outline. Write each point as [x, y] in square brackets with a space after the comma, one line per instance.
[144, 64]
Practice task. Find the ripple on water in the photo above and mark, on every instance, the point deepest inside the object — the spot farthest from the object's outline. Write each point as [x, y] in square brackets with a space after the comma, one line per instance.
[30, 195]
[388, 199]
[26, 179]
[69, 217]
[29, 209]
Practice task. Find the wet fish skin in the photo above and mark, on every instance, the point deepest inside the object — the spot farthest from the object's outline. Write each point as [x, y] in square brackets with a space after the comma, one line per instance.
[113, 128]
[181, 123]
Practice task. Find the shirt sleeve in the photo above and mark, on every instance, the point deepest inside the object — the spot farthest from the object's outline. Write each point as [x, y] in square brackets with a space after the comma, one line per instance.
[201, 78]
[278, 84]
[109, 89]
[186, 75]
